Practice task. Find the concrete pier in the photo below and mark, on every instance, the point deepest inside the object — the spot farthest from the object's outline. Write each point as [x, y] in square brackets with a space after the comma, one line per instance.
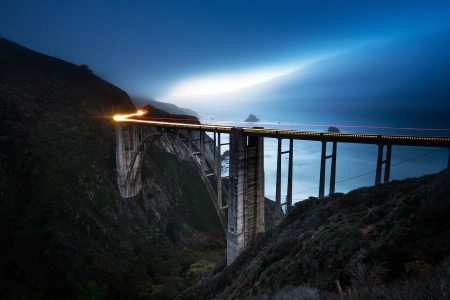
[324, 157]
[289, 184]
[333, 169]
[246, 192]
[322, 170]
[448, 161]
[379, 164]
[386, 162]
[218, 168]
[279, 213]
[254, 204]
[131, 145]
[278, 187]
[122, 161]
[127, 162]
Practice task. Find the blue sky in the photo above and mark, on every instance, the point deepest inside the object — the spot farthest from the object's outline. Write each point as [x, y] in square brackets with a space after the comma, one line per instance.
[299, 55]
[370, 63]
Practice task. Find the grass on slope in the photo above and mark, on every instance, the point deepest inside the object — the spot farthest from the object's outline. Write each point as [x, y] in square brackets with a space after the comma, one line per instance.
[369, 239]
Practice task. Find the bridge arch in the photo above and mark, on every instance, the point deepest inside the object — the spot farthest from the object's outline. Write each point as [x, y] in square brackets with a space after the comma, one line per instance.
[138, 157]
[133, 143]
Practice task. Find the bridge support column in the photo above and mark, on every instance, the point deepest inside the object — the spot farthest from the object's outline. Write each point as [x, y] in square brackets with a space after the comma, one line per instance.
[127, 142]
[448, 161]
[323, 159]
[202, 150]
[278, 187]
[380, 162]
[121, 160]
[387, 167]
[288, 203]
[254, 202]
[218, 168]
[333, 169]
[322, 171]
[216, 157]
[289, 184]
[246, 194]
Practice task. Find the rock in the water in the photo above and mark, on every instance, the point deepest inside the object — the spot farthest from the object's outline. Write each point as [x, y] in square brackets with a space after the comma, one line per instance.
[333, 129]
[252, 118]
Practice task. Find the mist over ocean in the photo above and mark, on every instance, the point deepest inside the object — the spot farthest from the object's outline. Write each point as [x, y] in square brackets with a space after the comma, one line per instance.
[356, 163]
[397, 86]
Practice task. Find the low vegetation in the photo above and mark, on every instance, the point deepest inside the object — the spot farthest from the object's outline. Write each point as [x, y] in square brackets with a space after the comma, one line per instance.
[382, 242]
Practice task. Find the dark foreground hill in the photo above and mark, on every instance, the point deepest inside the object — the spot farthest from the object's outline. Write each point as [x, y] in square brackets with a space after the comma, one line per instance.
[391, 241]
[65, 231]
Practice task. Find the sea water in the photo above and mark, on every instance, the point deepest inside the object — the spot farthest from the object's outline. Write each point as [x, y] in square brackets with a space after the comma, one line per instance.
[355, 164]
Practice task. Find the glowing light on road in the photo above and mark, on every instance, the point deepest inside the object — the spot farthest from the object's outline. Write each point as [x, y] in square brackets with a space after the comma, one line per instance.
[230, 123]
[117, 118]
[209, 122]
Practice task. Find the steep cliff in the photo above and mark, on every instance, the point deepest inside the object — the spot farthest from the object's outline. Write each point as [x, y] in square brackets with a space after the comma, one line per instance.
[66, 232]
[390, 241]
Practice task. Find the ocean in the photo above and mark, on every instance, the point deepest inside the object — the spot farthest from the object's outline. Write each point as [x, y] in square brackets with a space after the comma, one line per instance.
[355, 164]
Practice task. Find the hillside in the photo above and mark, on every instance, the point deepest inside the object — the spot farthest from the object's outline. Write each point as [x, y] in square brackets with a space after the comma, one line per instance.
[153, 113]
[167, 107]
[66, 232]
[390, 241]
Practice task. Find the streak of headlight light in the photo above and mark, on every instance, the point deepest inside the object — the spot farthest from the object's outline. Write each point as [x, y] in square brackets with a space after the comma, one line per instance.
[229, 82]
[124, 117]
[210, 122]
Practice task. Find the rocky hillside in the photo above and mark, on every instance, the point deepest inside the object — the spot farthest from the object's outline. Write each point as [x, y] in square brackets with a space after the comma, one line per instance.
[390, 241]
[66, 232]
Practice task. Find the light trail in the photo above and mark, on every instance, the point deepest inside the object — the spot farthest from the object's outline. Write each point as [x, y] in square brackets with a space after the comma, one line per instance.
[117, 118]
[368, 138]
[141, 112]
[208, 122]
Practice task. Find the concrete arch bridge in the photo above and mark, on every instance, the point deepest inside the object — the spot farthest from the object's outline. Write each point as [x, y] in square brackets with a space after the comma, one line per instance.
[244, 197]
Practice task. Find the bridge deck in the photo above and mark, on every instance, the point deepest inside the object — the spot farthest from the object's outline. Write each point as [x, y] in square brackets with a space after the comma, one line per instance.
[376, 139]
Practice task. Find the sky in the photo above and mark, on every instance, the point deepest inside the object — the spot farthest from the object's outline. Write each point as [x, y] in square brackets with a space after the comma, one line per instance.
[353, 63]
[211, 55]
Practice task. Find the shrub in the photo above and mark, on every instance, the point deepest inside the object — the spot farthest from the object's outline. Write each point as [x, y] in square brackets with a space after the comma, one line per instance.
[366, 277]
[85, 69]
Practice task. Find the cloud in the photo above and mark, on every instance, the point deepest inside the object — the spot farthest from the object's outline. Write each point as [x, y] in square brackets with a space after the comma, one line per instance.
[223, 82]
[229, 82]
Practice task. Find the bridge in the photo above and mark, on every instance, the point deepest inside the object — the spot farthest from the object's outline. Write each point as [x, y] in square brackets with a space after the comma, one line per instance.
[244, 198]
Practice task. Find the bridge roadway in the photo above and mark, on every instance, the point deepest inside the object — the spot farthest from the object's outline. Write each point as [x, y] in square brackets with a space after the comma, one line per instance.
[246, 169]
[385, 139]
